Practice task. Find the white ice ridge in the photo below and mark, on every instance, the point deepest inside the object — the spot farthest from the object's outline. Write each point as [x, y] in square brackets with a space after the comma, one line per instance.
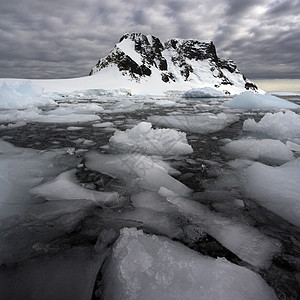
[248, 243]
[143, 139]
[201, 123]
[249, 100]
[282, 125]
[266, 150]
[66, 187]
[138, 171]
[23, 94]
[150, 267]
[206, 92]
[276, 188]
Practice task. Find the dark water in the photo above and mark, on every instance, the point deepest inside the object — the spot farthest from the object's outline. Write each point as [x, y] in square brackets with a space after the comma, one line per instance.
[77, 242]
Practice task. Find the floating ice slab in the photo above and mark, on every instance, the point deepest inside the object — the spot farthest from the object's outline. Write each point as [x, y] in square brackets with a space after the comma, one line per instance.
[206, 92]
[248, 243]
[21, 95]
[167, 103]
[37, 115]
[276, 188]
[143, 139]
[22, 169]
[272, 151]
[249, 100]
[281, 125]
[136, 170]
[202, 123]
[126, 105]
[76, 108]
[65, 187]
[151, 267]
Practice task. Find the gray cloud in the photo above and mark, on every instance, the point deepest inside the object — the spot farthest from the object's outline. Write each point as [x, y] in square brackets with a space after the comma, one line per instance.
[60, 39]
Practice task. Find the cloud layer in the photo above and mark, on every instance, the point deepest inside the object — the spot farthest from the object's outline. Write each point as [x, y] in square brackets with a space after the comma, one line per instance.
[60, 38]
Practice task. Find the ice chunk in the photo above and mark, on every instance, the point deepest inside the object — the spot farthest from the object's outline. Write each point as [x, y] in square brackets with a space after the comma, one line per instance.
[37, 115]
[143, 139]
[248, 243]
[21, 95]
[65, 187]
[249, 100]
[126, 105]
[281, 125]
[136, 170]
[201, 123]
[206, 92]
[22, 169]
[168, 103]
[76, 108]
[268, 150]
[151, 267]
[276, 188]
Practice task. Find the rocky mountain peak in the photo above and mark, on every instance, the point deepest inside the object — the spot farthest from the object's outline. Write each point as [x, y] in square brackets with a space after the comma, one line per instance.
[139, 56]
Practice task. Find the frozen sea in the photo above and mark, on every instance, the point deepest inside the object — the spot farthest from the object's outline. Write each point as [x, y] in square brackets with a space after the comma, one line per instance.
[115, 197]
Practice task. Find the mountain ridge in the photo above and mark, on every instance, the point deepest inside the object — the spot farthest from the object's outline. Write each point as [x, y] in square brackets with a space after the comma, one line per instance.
[196, 63]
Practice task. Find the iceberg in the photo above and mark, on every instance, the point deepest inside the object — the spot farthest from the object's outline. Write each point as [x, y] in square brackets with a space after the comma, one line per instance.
[266, 150]
[276, 188]
[206, 92]
[249, 100]
[23, 94]
[201, 123]
[143, 139]
[284, 126]
[144, 266]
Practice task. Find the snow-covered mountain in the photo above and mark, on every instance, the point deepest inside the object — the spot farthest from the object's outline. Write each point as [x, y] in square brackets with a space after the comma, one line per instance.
[178, 64]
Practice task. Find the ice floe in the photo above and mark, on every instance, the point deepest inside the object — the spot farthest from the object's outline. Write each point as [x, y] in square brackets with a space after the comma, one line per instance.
[281, 125]
[249, 100]
[23, 94]
[138, 171]
[201, 123]
[276, 188]
[66, 187]
[143, 139]
[22, 169]
[150, 267]
[248, 243]
[266, 150]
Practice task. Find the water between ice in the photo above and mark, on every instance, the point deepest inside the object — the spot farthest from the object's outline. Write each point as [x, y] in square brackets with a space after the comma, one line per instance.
[65, 202]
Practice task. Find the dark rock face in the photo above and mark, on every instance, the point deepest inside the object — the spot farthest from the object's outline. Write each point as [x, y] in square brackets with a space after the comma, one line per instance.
[181, 54]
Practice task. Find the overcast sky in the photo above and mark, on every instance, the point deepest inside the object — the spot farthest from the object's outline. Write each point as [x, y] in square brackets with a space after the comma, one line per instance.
[63, 38]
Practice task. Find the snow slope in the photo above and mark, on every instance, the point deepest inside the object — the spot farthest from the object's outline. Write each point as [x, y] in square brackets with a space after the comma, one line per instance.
[143, 65]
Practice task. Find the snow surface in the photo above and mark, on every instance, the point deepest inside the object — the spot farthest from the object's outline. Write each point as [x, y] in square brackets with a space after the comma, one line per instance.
[151, 267]
[206, 92]
[249, 100]
[282, 125]
[201, 123]
[276, 188]
[265, 150]
[143, 139]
